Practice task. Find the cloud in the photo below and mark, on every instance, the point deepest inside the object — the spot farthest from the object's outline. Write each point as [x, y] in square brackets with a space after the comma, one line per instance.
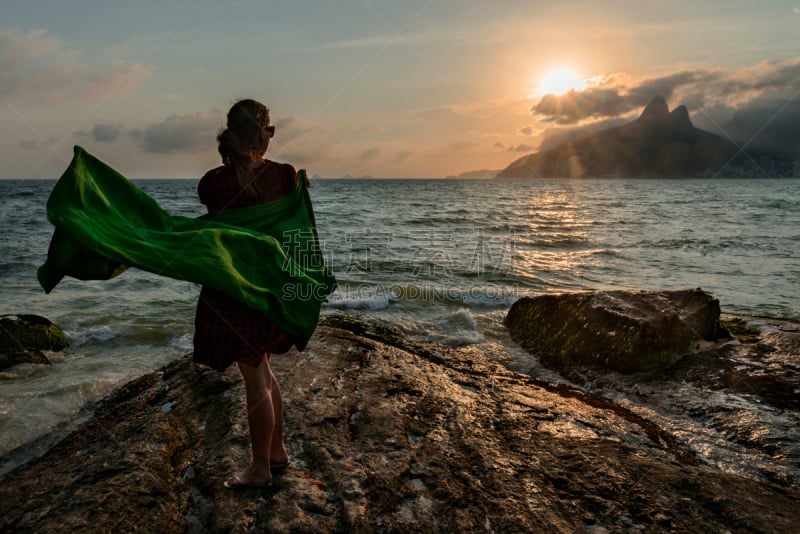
[460, 146]
[521, 148]
[192, 132]
[401, 156]
[369, 154]
[37, 144]
[555, 136]
[527, 130]
[35, 66]
[766, 124]
[796, 10]
[103, 133]
[618, 95]
[574, 106]
[288, 129]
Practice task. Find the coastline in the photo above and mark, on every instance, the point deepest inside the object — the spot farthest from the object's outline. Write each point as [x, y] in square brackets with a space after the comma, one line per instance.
[385, 433]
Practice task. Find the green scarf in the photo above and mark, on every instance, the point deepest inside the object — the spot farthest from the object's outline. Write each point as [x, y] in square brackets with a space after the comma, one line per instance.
[267, 256]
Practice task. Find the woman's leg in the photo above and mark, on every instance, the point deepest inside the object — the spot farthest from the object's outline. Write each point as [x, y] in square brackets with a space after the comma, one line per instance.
[261, 420]
[277, 450]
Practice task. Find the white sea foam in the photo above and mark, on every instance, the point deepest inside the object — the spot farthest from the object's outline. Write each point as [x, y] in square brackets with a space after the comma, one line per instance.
[183, 342]
[457, 329]
[492, 297]
[82, 336]
[370, 302]
[379, 297]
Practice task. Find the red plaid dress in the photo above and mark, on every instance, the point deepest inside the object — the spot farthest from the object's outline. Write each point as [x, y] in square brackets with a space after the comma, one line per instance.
[226, 330]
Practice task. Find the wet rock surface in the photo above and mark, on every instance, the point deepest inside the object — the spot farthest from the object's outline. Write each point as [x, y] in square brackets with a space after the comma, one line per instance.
[386, 435]
[626, 331]
[23, 338]
[735, 403]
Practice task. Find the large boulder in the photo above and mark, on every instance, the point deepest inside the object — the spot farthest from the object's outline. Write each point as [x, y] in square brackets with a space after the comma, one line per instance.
[624, 331]
[24, 337]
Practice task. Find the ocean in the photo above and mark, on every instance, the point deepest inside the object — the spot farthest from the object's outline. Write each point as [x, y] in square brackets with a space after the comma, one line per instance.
[441, 259]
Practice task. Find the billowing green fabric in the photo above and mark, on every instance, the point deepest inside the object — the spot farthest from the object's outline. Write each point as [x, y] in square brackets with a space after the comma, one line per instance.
[267, 256]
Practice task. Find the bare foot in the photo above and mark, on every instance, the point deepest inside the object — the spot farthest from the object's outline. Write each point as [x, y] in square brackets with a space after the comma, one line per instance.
[250, 478]
[279, 459]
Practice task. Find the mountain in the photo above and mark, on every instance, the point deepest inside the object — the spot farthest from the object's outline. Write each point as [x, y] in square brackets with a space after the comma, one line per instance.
[659, 143]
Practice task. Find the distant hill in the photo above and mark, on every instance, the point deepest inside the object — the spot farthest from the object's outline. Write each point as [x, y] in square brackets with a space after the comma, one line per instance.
[657, 144]
[484, 173]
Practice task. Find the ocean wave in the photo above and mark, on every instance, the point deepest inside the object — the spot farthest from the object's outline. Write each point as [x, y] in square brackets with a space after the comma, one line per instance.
[456, 329]
[381, 297]
[94, 334]
[16, 266]
[174, 335]
[369, 302]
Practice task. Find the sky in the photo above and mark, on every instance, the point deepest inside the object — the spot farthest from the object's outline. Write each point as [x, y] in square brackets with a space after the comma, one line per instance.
[383, 88]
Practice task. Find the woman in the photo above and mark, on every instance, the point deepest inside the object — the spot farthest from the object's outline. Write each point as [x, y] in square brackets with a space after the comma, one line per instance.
[226, 330]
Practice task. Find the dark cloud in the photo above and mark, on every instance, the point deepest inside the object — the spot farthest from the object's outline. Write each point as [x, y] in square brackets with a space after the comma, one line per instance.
[556, 136]
[499, 145]
[616, 96]
[193, 132]
[303, 154]
[527, 130]
[713, 117]
[769, 125]
[777, 75]
[30, 144]
[401, 156]
[102, 133]
[460, 146]
[287, 129]
[521, 148]
[574, 106]
[665, 86]
[37, 144]
[369, 154]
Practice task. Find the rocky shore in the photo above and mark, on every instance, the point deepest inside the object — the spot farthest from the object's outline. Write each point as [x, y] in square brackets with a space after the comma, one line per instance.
[386, 434]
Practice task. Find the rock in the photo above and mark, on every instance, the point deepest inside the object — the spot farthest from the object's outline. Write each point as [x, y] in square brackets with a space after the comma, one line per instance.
[14, 357]
[735, 400]
[386, 435]
[23, 337]
[761, 361]
[625, 331]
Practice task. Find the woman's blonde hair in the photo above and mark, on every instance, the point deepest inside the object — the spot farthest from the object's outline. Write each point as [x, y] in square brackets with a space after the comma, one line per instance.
[238, 142]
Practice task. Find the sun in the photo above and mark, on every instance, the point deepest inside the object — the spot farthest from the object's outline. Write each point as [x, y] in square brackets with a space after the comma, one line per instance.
[559, 81]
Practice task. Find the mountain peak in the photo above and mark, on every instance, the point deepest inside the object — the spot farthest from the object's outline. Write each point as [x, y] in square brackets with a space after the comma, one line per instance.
[656, 110]
[679, 119]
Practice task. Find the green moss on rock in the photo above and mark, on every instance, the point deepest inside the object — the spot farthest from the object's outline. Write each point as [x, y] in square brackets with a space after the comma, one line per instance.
[743, 331]
[31, 333]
